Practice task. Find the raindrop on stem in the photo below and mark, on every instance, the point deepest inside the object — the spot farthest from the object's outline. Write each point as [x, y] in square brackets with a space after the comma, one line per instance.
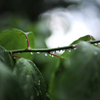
[57, 51]
[30, 48]
[96, 44]
[64, 50]
[46, 54]
[52, 55]
[53, 52]
[38, 52]
[69, 50]
[31, 53]
[75, 48]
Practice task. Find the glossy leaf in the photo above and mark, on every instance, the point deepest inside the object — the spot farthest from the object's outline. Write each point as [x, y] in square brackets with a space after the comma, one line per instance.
[31, 80]
[9, 87]
[80, 75]
[15, 39]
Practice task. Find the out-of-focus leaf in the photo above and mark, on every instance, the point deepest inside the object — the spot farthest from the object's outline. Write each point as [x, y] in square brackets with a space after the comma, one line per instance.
[15, 39]
[79, 77]
[9, 87]
[31, 80]
[6, 58]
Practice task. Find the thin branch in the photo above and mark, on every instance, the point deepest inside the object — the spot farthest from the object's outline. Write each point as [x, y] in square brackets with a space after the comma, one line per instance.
[51, 49]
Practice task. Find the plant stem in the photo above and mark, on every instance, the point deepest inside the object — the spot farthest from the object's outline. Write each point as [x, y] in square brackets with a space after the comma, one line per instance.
[51, 49]
[55, 55]
[15, 55]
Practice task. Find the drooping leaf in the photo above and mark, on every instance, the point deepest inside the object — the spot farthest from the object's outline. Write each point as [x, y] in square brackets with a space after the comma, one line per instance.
[9, 87]
[78, 78]
[31, 80]
[15, 39]
[6, 58]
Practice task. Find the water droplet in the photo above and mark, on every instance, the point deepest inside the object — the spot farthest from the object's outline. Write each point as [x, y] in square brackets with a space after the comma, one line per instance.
[69, 50]
[31, 53]
[49, 54]
[57, 51]
[61, 51]
[30, 48]
[96, 44]
[46, 54]
[52, 55]
[64, 50]
[95, 53]
[53, 52]
[75, 48]
[39, 82]
[38, 52]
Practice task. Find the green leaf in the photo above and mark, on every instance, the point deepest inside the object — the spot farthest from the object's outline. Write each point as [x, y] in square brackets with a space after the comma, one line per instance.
[84, 38]
[9, 87]
[31, 80]
[78, 77]
[15, 39]
[66, 54]
[6, 58]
